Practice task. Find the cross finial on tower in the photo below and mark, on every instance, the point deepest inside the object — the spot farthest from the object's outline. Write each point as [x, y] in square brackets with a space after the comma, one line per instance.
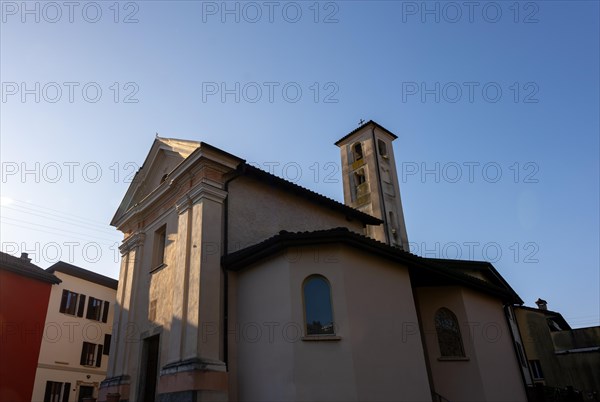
[360, 123]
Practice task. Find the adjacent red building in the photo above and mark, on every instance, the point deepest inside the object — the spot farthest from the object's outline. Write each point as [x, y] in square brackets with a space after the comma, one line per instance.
[24, 294]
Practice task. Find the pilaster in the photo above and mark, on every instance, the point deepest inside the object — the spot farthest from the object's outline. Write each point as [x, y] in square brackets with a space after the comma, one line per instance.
[195, 370]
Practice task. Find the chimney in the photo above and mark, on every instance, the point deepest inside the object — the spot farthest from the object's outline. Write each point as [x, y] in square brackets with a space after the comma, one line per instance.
[542, 304]
[25, 256]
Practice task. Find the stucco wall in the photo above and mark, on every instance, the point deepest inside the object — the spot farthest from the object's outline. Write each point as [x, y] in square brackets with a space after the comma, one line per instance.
[493, 344]
[372, 304]
[64, 334]
[258, 211]
[23, 305]
[579, 369]
[490, 371]
[538, 344]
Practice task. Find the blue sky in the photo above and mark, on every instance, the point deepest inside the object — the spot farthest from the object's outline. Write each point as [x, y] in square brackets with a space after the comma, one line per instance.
[499, 103]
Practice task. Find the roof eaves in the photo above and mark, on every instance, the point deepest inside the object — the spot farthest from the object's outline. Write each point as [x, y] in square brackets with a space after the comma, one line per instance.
[84, 274]
[25, 268]
[479, 265]
[243, 258]
[394, 136]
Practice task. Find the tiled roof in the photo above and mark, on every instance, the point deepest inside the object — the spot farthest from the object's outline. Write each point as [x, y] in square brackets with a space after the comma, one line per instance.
[22, 266]
[418, 266]
[84, 274]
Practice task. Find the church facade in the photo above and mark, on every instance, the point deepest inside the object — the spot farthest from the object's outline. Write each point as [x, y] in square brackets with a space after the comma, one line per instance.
[237, 285]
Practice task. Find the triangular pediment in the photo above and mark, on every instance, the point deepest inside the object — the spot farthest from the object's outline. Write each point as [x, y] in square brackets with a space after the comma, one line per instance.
[164, 156]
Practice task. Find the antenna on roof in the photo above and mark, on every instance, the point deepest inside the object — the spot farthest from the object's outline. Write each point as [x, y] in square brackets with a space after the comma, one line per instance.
[360, 123]
[156, 135]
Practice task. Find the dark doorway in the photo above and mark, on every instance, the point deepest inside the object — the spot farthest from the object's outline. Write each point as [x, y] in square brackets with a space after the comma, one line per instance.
[85, 391]
[149, 369]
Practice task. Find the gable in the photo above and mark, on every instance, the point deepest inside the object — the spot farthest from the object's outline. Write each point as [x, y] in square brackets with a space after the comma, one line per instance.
[164, 163]
[164, 156]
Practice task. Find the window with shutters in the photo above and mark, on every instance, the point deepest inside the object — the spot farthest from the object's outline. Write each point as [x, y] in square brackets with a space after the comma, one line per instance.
[72, 303]
[57, 391]
[97, 309]
[94, 310]
[91, 354]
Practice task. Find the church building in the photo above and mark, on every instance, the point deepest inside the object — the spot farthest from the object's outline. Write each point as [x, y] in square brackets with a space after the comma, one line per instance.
[238, 285]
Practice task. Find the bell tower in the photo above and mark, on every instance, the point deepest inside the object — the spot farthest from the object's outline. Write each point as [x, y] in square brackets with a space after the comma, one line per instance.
[371, 181]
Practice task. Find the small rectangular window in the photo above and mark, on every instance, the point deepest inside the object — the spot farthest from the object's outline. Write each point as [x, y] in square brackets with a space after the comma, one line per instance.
[382, 148]
[160, 242]
[357, 151]
[536, 369]
[68, 304]
[152, 311]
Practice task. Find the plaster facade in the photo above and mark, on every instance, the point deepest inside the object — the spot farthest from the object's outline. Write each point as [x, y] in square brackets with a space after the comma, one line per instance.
[23, 303]
[369, 357]
[489, 370]
[64, 334]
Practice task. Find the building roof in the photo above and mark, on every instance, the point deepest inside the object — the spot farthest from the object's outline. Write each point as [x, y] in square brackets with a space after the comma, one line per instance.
[84, 274]
[243, 168]
[394, 136]
[249, 170]
[485, 267]
[424, 271]
[23, 266]
[554, 315]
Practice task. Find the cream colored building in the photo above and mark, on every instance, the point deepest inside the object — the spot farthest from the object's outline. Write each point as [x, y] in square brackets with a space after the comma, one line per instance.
[237, 285]
[76, 340]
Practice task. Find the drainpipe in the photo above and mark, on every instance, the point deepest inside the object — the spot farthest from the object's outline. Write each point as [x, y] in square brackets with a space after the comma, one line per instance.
[237, 174]
[507, 308]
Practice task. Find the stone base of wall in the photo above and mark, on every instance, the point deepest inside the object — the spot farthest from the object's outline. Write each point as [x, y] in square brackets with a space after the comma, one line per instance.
[193, 380]
[114, 389]
[193, 396]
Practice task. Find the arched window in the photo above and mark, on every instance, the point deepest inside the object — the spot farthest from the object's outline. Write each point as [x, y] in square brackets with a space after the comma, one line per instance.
[359, 177]
[448, 334]
[357, 151]
[318, 314]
